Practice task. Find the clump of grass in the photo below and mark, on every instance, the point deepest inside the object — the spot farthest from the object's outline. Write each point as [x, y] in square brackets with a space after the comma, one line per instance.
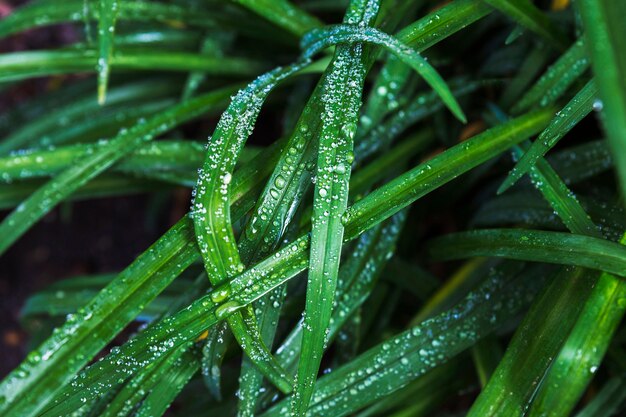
[301, 282]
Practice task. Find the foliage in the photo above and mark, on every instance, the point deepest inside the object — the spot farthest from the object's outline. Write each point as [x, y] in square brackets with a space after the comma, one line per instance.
[316, 272]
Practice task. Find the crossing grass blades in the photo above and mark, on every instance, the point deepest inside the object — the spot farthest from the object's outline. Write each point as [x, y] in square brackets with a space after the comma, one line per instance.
[437, 229]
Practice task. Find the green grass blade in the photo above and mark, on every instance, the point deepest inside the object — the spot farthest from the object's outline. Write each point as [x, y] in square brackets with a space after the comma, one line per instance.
[50, 13]
[565, 120]
[606, 43]
[168, 387]
[608, 401]
[557, 79]
[533, 245]
[319, 38]
[342, 95]
[106, 36]
[403, 190]
[48, 196]
[541, 333]
[284, 14]
[529, 16]
[18, 66]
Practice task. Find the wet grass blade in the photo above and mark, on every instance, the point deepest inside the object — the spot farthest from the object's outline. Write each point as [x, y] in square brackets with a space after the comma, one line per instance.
[106, 36]
[316, 39]
[17, 66]
[565, 120]
[284, 14]
[341, 102]
[606, 43]
[533, 245]
[529, 16]
[557, 79]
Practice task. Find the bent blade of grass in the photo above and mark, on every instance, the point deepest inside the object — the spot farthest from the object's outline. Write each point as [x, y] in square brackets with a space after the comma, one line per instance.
[606, 43]
[63, 185]
[349, 33]
[564, 121]
[529, 16]
[106, 37]
[535, 246]
[211, 209]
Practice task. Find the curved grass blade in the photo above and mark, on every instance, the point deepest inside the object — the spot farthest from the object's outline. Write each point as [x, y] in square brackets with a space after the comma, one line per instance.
[557, 79]
[106, 36]
[529, 16]
[211, 209]
[57, 189]
[288, 262]
[573, 112]
[606, 43]
[213, 353]
[284, 14]
[535, 246]
[319, 38]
